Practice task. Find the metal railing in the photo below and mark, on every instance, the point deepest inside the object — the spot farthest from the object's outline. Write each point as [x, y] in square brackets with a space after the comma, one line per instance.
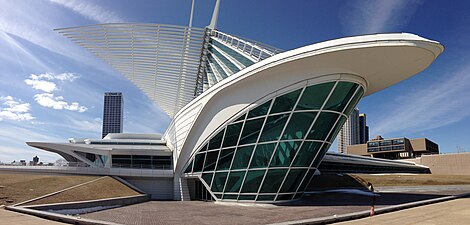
[81, 168]
[255, 50]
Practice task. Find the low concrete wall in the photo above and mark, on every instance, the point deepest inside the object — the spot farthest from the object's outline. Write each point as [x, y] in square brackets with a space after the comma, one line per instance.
[446, 164]
[121, 201]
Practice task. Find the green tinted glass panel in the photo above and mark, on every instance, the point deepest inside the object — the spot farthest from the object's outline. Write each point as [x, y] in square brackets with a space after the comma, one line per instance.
[265, 197]
[252, 181]
[215, 142]
[320, 156]
[285, 102]
[285, 153]
[219, 182]
[225, 159]
[230, 197]
[207, 177]
[298, 195]
[322, 126]
[239, 57]
[306, 180]
[240, 118]
[306, 154]
[260, 110]
[284, 197]
[232, 134]
[242, 157]
[218, 196]
[247, 197]
[337, 128]
[199, 162]
[314, 96]
[251, 131]
[224, 60]
[211, 159]
[273, 127]
[341, 95]
[298, 125]
[189, 168]
[354, 101]
[234, 181]
[273, 180]
[293, 180]
[262, 155]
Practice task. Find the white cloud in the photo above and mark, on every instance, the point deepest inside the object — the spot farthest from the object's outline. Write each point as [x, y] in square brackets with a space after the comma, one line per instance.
[42, 85]
[90, 11]
[366, 17]
[50, 101]
[44, 82]
[16, 110]
[432, 105]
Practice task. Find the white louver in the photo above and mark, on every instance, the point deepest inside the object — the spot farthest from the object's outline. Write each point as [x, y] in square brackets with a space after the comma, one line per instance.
[162, 60]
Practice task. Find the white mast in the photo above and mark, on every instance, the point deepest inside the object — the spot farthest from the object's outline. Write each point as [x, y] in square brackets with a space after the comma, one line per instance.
[215, 15]
[191, 16]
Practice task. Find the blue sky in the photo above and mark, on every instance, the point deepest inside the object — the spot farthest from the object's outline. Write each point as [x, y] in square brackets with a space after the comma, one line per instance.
[52, 89]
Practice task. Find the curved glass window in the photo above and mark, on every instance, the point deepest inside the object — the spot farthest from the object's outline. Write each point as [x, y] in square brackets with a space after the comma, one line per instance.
[285, 102]
[340, 96]
[225, 159]
[314, 96]
[252, 181]
[285, 152]
[271, 152]
[232, 134]
[273, 127]
[273, 180]
[260, 110]
[323, 125]
[298, 125]
[262, 155]
[242, 157]
[251, 131]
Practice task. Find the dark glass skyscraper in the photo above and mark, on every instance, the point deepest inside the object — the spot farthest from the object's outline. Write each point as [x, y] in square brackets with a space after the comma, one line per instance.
[112, 113]
[363, 129]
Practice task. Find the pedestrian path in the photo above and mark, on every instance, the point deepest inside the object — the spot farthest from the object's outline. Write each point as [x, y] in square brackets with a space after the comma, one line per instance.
[450, 212]
[10, 217]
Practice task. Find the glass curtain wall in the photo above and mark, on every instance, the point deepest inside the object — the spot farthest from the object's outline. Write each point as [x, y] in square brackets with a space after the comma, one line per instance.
[271, 152]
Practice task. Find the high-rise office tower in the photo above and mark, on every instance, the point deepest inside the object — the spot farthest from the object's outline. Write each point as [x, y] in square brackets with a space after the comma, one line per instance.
[349, 134]
[363, 129]
[112, 113]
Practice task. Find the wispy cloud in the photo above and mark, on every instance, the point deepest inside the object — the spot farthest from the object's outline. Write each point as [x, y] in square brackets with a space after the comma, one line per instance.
[51, 101]
[15, 109]
[366, 16]
[432, 105]
[90, 11]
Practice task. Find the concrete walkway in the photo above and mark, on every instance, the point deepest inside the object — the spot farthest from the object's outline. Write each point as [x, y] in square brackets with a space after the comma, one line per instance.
[450, 212]
[10, 217]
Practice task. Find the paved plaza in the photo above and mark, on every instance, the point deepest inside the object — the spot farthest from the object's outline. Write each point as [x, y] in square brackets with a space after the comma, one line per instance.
[314, 206]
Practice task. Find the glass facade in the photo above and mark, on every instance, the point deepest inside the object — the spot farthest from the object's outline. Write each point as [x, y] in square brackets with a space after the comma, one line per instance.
[272, 151]
[141, 161]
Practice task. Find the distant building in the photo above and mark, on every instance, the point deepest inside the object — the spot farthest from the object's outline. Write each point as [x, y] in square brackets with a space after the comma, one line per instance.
[395, 148]
[35, 160]
[112, 113]
[354, 131]
[363, 129]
